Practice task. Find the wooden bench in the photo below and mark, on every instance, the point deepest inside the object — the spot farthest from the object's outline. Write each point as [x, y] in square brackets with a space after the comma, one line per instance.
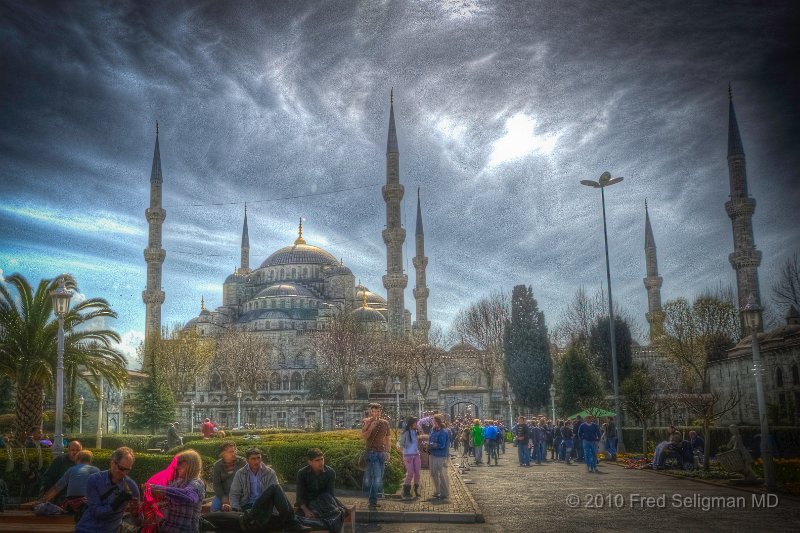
[27, 521]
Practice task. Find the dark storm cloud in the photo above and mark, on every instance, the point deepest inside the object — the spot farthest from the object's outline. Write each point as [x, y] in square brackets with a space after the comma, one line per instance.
[501, 108]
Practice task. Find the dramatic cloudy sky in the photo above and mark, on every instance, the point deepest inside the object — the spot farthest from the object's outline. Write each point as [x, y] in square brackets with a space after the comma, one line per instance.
[501, 108]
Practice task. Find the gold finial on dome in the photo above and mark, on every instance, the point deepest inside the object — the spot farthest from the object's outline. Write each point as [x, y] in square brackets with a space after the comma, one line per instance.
[365, 298]
[300, 239]
[202, 303]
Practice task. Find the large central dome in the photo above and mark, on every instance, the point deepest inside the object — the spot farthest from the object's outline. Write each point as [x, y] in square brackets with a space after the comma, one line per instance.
[300, 254]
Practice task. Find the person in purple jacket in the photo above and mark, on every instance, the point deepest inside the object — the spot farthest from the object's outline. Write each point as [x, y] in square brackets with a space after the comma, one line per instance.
[589, 433]
[184, 494]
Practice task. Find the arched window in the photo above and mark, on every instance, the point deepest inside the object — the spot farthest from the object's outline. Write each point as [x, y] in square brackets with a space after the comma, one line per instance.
[286, 383]
[779, 377]
[216, 382]
[294, 273]
[281, 274]
[297, 381]
[299, 360]
[282, 359]
[275, 381]
[271, 274]
[795, 375]
[272, 304]
[305, 272]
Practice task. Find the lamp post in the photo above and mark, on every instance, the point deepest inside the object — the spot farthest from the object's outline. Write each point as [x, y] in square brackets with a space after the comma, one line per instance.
[396, 385]
[191, 418]
[100, 414]
[321, 415]
[420, 400]
[553, 401]
[752, 316]
[238, 407]
[510, 412]
[606, 181]
[61, 297]
[80, 416]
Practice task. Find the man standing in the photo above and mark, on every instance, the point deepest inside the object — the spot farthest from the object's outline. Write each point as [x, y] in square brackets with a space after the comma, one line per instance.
[490, 441]
[173, 437]
[589, 434]
[611, 438]
[375, 432]
[521, 438]
[439, 448]
[207, 428]
[109, 493]
[477, 441]
[316, 502]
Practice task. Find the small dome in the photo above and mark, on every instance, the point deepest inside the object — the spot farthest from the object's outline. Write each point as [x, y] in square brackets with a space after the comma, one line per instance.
[260, 314]
[462, 347]
[373, 300]
[367, 314]
[191, 324]
[300, 254]
[285, 289]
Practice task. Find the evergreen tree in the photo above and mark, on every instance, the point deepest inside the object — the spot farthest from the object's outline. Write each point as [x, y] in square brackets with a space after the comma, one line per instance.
[528, 368]
[600, 349]
[579, 385]
[154, 404]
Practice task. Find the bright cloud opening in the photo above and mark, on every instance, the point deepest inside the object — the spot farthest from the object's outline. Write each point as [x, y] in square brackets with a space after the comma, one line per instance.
[520, 140]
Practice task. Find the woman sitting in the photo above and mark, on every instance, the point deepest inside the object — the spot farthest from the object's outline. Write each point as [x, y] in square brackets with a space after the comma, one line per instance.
[184, 494]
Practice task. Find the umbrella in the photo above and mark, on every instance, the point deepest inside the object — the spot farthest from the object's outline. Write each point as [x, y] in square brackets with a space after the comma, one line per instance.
[594, 412]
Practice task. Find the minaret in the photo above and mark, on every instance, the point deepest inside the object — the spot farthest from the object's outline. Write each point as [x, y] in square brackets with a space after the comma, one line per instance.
[653, 281]
[745, 259]
[394, 235]
[245, 257]
[154, 254]
[421, 324]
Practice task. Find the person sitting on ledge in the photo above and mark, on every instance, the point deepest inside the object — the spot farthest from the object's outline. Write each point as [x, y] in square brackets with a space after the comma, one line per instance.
[316, 504]
[73, 482]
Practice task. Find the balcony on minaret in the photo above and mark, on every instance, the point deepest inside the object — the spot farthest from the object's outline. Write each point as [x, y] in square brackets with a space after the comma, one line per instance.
[155, 214]
[395, 281]
[421, 292]
[394, 235]
[419, 262]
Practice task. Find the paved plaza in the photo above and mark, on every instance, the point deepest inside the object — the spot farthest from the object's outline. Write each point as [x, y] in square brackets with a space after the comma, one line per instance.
[559, 497]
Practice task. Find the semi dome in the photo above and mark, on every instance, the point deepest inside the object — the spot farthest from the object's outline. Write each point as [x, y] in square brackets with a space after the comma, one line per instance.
[373, 300]
[285, 289]
[367, 314]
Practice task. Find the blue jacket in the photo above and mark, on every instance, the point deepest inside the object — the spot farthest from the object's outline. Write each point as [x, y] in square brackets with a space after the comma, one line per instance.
[439, 443]
[589, 432]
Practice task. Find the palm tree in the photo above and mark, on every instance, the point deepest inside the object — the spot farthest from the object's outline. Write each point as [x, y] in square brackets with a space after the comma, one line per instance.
[28, 335]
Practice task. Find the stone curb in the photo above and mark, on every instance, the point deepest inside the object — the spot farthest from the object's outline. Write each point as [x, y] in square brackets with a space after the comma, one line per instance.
[478, 517]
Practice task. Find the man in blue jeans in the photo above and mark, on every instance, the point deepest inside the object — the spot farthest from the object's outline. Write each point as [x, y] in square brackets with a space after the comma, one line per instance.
[375, 433]
[521, 438]
[589, 433]
[611, 438]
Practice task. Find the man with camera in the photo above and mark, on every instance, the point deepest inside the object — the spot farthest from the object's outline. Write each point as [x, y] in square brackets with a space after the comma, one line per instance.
[109, 493]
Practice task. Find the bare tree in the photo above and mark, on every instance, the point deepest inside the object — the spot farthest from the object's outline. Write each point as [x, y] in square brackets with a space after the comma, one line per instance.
[581, 313]
[642, 398]
[181, 356]
[483, 326]
[692, 336]
[243, 359]
[786, 289]
[426, 359]
[342, 348]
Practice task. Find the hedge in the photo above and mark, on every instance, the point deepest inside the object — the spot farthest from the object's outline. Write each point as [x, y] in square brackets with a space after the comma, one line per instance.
[144, 466]
[786, 438]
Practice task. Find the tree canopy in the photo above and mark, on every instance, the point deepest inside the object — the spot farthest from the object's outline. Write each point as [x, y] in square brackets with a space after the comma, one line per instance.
[528, 368]
[600, 349]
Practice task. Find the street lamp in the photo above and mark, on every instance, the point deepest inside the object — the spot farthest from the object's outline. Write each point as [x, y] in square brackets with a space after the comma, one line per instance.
[553, 401]
[606, 181]
[510, 412]
[61, 297]
[420, 400]
[80, 417]
[396, 385]
[100, 414]
[238, 407]
[752, 317]
[321, 415]
[191, 418]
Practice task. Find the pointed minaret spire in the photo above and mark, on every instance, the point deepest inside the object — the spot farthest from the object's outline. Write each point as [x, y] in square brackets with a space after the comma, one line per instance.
[734, 138]
[244, 267]
[391, 142]
[421, 325]
[202, 303]
[300, 239]
[154, 256]
[395, 280]
[745, 259]
[652, 282]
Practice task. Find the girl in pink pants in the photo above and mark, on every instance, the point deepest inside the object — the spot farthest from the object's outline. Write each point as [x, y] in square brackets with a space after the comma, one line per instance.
[409, 445]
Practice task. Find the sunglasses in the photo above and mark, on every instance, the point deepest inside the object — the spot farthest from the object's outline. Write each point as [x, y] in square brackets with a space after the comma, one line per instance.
[122, 469]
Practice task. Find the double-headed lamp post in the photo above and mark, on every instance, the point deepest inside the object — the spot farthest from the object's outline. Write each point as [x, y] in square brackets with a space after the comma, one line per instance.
[61, 297]
[606, 181]
[752, 317]
[80, 417]
[321, 414]
[553, 401]
[238, 407]
[396, 385]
